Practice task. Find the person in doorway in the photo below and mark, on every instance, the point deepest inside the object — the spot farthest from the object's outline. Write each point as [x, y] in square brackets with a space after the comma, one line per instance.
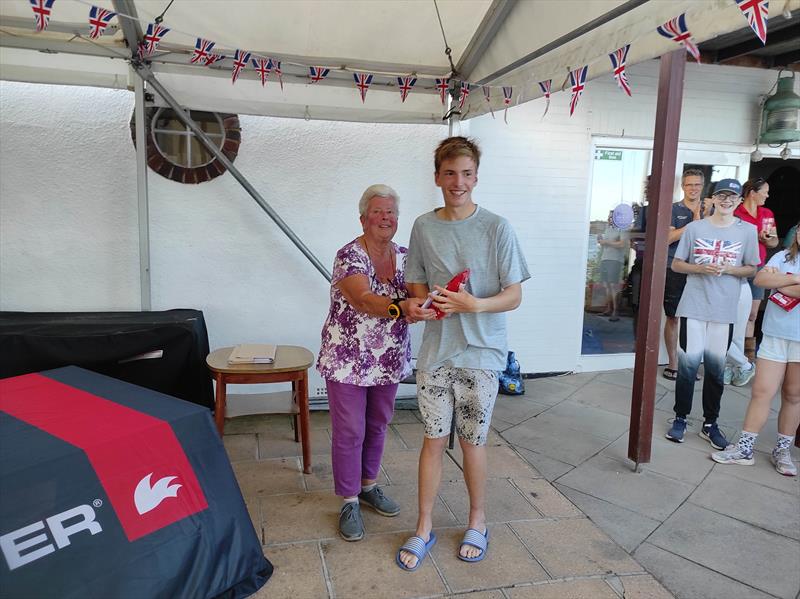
[364, 355]
[461, 354]
[755, 193]
[614, 246]
[778, 359]
[714, 253]
[688, 210]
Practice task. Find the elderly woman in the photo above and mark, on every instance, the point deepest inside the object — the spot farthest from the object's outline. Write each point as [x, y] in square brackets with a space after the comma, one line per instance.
[365, 353]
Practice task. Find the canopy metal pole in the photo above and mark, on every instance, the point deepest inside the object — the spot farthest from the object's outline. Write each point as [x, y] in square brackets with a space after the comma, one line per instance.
[141, 192]
[145, 73]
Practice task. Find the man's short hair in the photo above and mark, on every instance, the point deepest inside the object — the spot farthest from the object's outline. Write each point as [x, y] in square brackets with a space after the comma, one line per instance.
[453, 147]
[693, 172]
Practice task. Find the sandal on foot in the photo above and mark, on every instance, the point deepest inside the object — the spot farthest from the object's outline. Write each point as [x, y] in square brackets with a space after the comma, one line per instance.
[670, 374]
[473, 538]
[418, 547]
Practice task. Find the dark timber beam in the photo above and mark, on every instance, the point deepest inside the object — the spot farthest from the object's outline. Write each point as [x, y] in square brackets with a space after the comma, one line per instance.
[660, 190]
[787, 34]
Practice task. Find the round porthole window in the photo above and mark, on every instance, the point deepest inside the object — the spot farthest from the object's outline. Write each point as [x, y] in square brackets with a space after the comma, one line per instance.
[174, 152]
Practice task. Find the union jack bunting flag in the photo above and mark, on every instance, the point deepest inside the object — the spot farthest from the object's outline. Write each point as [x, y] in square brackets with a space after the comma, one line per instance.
[716, 251]
[276, 66]
[99, 18]
[676, 30]
[155, 33]
[202, 50]
[240, 60]
[443, 85]
[317, 73]
[487, 93]
[577, 79]
[41, 12]
[212, 58]
[507, 91]
[618, 58]
[545, 87]
[405, 84]
[756, 13]
[463, 94]
[363, 81]
[263, 66]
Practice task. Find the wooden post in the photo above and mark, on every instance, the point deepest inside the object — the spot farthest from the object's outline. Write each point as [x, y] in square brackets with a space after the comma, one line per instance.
[659, 193]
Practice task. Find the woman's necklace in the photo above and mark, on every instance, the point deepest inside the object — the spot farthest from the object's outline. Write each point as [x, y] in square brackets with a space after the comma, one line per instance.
[384, 269]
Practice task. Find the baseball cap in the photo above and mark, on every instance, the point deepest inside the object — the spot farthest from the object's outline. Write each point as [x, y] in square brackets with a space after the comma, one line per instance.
[729, 185]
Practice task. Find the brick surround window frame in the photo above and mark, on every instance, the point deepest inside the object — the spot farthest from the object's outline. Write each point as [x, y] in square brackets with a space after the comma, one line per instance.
[163, 165]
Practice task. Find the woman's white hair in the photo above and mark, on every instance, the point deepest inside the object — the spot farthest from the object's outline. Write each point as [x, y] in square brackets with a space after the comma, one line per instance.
[380, 190]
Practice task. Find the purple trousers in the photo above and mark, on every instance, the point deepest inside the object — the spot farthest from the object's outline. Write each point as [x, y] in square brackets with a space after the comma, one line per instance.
[359, 418]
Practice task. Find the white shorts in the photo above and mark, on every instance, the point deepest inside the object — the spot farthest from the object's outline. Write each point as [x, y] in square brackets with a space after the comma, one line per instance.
[780, 350]
[470, 391]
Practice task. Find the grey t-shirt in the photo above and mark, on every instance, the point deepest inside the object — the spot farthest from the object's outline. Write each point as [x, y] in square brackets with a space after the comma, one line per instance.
[714, 298]
[440, 249]
[610, 252]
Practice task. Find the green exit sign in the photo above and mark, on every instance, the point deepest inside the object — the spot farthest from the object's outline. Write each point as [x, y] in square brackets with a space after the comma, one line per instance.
[608, 154]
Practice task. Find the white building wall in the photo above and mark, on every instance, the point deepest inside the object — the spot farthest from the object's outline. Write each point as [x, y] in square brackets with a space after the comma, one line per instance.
[68, 215]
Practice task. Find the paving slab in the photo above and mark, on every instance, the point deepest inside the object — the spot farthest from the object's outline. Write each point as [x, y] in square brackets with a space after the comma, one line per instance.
[550, 468]
[683, 462]
[573, 379]
[501, 462]
[763, 473]
[516, 409]
[550, 390]
[504, 502]
[736, 549]
[268, 477]
[546, 498]
[688, 580]
[405, 417]
[401, 467]
[570, 416]
[643, 587]
[645, 492]
[258, 423]
[507, 561]
[595, 588]
[368, 569]
[626, 527]
[573, 547]
[281, 444]
[755, 504]
[294, 517]
[406, 496]
[297, 572]
[241, 447]
[607, 396]
[569, 447]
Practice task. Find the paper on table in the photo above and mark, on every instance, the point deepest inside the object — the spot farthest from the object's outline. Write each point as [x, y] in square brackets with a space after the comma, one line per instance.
[252, 353]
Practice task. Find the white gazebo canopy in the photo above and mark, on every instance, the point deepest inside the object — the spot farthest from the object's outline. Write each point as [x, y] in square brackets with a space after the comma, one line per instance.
[494, 42]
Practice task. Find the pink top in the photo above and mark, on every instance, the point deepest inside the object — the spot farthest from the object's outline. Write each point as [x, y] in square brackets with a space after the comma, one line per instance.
[761, 215]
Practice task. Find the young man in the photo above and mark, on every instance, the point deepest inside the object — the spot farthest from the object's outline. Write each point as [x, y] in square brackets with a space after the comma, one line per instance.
[683, 213]
[715, 253]
[462, 353]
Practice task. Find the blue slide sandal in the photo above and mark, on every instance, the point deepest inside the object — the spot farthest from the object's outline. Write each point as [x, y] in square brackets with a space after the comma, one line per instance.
[473, 538]
[418, 547]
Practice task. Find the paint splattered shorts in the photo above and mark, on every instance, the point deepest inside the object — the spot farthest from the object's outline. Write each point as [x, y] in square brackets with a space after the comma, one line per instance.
[470, 390]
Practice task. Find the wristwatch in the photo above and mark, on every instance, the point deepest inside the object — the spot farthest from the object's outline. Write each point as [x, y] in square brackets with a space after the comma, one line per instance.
[394, 309]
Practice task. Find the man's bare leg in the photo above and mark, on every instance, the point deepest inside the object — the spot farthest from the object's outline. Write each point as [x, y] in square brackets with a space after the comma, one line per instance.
[475, 477]
[429, 477]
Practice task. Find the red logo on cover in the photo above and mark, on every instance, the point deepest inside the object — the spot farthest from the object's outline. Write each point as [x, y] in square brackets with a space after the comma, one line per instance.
[126, 448]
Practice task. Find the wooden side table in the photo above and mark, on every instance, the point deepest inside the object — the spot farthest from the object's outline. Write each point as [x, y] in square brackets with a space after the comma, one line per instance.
[291, 365]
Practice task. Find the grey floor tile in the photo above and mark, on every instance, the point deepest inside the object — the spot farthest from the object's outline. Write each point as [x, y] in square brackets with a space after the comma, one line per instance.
[548, 467]
[763, 473]
[516, 409]
[736, 549]
[550, 390]
[606, 396]
[646, 492]
[679, 461]
[572, 416]
[749, 502]
[688, 580]
[627, 528]
[569, 447]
